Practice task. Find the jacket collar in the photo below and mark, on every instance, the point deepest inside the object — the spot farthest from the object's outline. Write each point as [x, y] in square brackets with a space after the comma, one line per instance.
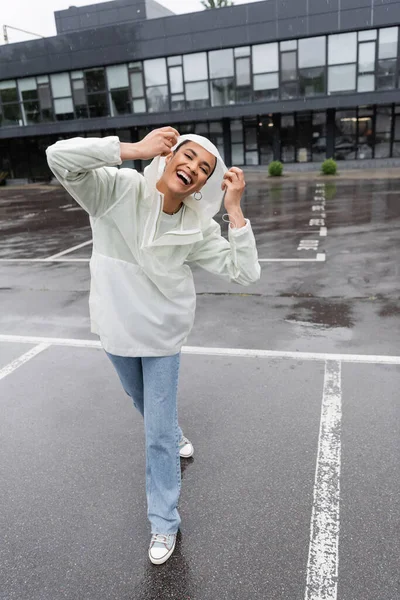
[188, 232]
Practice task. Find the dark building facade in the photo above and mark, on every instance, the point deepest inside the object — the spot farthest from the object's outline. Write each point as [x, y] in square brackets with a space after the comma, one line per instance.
[294, 80]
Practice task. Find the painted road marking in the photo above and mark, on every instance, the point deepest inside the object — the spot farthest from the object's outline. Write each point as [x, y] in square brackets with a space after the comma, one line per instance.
[319, 258]
[323, 232]
[18, 362]
[44, 260]
[308, 245]
[322, 567]
[69, 250]
[239, 352]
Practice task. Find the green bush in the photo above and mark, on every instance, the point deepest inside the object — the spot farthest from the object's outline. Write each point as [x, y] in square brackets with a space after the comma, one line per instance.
[329, 167]
[275, 168]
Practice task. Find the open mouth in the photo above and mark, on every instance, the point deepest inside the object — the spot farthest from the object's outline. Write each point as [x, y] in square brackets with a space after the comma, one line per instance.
[186, 180]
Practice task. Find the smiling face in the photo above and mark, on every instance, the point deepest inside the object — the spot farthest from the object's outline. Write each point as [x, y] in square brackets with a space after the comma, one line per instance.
[187, 170]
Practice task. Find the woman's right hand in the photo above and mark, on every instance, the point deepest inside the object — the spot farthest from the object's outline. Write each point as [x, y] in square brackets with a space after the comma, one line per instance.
[157, 143]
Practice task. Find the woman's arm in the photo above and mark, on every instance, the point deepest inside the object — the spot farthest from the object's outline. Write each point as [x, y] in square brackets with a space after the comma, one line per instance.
[236, 259]
[86, 167]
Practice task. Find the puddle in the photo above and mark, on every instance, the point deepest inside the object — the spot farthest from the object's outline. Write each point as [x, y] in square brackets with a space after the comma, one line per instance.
[322, 313]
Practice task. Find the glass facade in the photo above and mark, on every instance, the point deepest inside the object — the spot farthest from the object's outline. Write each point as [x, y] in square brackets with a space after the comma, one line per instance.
[325, 65]
[364, 132]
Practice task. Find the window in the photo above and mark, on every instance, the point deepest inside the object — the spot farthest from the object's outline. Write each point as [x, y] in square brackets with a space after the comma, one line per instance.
[366, 57]
[62, 96]
[312, 59]
[98, 106]
[251, 141]
[30, 100]
[366, 83]
[289, 45]
[195, 72]
[396, 143]
[95, 84]
[243, 79]
[221, 64]
[318, 136]
[366, 65]
[365, 133]
[342, 52]
[178, 102]
[342, 78]
[176, 80]
[195, 67]
[364, 36]
[117, 77]
[222, 80]
[289, 66]
[157, 98]
[265, 72]
[288, 139]
[342, 48]
[135, 70]
[312, 52]
[243, 72]
[266, 139]
[243, 51]
[312, 81]
[222, 91]
[95, 80]
[174, 60]
[266, 86]
[386, 75]
[79, 96]
[388, 42]
[345, 134]
[383, 131]
[10, 111]
[118, 84]
[197, 94]
[155, 72]
[289, 77]
[176, 87]
[265, 58]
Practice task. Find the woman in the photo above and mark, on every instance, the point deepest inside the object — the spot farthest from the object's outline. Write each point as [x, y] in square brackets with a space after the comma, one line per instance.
[142, 297]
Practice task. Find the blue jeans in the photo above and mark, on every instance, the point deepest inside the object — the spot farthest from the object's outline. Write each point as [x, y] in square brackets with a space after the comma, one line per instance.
[152, 383]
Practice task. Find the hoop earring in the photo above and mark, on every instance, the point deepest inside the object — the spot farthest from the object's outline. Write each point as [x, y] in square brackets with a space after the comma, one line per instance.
[198, 199]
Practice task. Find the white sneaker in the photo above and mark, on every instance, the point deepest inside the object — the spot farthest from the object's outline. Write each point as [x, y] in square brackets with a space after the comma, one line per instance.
[161, 547]
[186, 449]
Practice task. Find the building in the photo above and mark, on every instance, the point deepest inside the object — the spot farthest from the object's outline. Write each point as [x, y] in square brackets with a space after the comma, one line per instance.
[296, 80]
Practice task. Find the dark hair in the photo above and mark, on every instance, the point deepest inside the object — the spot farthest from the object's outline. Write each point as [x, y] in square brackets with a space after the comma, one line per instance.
[186, 142]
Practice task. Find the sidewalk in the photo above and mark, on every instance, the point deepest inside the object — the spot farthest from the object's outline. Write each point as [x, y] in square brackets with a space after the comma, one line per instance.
[261, 174]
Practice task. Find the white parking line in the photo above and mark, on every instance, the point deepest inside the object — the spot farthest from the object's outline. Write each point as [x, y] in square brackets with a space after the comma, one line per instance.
[233, 352]
[69, 250]
[319, 258]
[322, 567]
[18, 362]
[44, 260]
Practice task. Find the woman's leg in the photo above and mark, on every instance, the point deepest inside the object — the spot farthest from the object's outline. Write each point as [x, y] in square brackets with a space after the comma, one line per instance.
[130, 374]
[163, 470]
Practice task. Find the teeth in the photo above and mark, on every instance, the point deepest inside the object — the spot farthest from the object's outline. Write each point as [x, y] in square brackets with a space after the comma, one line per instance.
[185, 177]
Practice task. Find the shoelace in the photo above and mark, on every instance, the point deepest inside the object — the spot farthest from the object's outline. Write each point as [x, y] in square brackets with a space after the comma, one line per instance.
[183, 441]
[159, 538]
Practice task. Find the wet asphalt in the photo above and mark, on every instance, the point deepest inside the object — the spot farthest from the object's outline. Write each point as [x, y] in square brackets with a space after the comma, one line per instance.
[73, 512]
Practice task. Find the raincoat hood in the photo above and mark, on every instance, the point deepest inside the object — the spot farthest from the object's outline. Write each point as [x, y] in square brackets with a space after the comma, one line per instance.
[212, 194]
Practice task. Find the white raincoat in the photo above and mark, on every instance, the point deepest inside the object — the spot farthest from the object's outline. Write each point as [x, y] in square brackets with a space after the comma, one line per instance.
[142, 297]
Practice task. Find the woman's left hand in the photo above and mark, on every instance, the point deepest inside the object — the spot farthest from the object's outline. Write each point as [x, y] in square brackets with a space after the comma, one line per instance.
[234, 185]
